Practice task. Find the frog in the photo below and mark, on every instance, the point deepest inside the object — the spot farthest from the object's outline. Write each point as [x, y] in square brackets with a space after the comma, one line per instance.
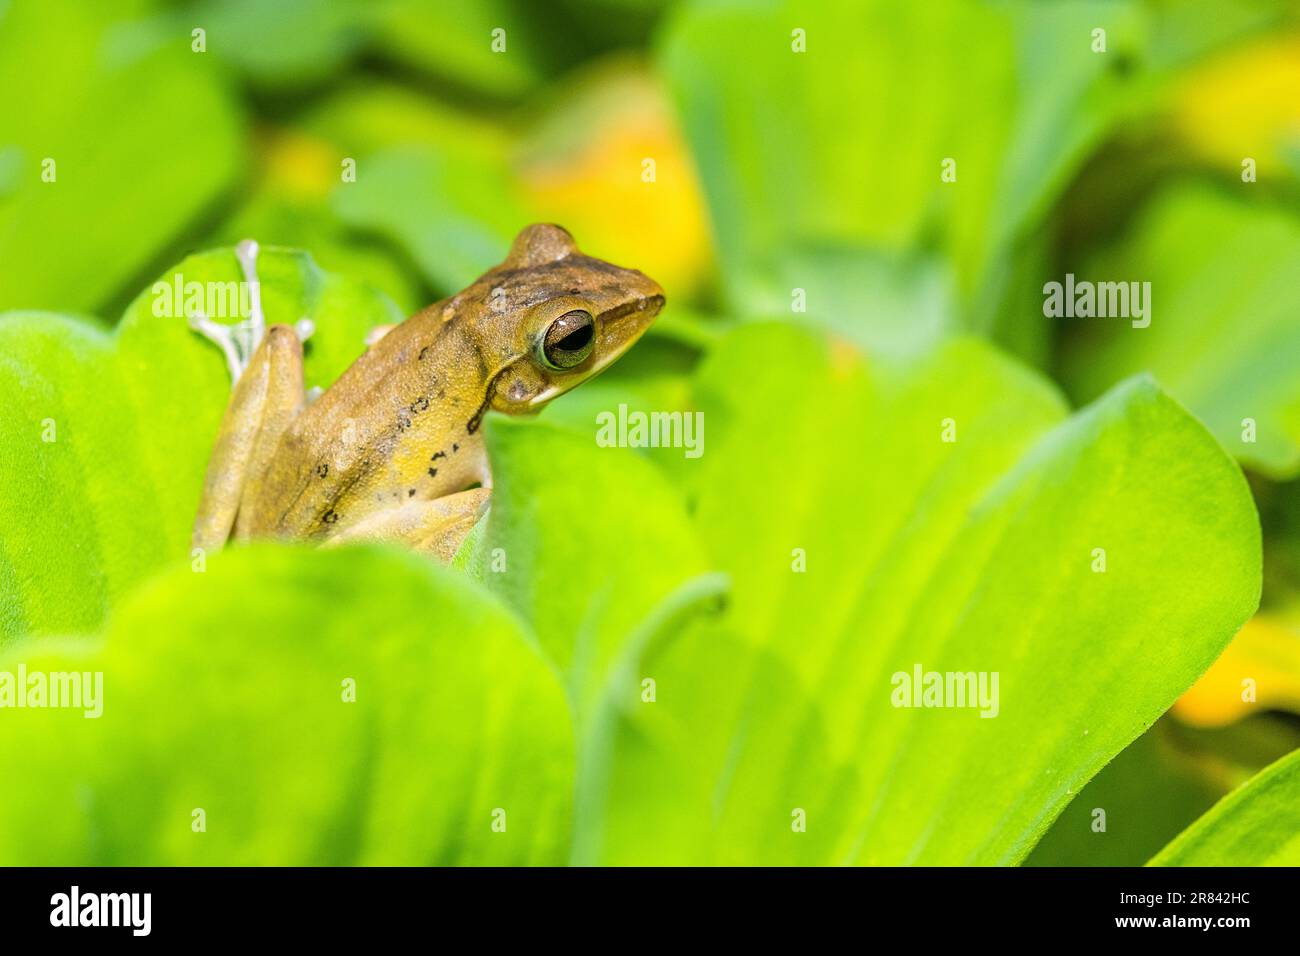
[394, 449]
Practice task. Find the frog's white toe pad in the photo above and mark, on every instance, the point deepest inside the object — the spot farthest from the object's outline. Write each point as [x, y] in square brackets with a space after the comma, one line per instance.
[237, 342]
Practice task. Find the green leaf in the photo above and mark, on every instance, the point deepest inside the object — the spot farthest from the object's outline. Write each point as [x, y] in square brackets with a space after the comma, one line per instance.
[593, 547]
[975, 555]
[277, 217]
[1148, 794]
[1180, 37]
[653, 377]
[367, 115]
[306, 161]
[453, 40]
[886, 305]
[1223, 335]
[1256, 825]
[453, 208]
[843, 143]
[128, 181]
[104, 437]
[584, 542]
[284, 46]
[281, 45]
[226, 691]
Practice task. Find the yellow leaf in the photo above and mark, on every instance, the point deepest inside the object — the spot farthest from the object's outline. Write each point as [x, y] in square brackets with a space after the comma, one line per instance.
[609, 163]
[1266, 652]
[1243, 103]
[298, 165]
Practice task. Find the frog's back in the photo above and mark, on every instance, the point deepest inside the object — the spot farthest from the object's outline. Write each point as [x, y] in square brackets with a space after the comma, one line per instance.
[363, 444]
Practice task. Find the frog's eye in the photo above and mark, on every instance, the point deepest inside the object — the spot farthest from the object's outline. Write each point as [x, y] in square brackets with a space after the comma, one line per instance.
[569, 340]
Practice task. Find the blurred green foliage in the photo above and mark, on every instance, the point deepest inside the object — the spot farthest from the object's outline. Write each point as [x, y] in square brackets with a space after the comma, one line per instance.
[233, 705]
[1227, 270]
[1259, 822]
[143, 138]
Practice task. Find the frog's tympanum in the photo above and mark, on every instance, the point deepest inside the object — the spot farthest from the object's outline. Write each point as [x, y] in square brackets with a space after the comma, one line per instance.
[394, 449]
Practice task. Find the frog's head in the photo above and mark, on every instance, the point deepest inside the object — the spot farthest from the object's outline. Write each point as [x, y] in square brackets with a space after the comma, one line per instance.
[550, 317]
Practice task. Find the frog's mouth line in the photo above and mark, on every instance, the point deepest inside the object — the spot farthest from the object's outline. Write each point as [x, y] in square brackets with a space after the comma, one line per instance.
[622, 325]
[612, 328]
[651, 304]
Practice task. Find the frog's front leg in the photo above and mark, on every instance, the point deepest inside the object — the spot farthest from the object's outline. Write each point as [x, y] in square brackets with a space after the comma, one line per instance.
[266, 365]
[436, 526]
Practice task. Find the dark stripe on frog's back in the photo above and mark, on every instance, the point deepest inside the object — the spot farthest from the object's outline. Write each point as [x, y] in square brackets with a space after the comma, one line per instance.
[542, 275]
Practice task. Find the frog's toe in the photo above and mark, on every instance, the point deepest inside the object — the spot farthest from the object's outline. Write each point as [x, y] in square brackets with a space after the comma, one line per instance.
[239, 341]
[246, 251]
[224, 337]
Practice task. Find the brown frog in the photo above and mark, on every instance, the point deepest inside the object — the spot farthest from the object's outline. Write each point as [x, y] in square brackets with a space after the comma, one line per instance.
[394, 449]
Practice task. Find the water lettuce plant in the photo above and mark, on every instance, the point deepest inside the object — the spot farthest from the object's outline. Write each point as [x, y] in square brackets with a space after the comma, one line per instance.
[634, 660]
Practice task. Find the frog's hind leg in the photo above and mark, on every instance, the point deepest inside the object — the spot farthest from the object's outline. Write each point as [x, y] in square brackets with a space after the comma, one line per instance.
[266, 367]
[435, 526]
[267, 397]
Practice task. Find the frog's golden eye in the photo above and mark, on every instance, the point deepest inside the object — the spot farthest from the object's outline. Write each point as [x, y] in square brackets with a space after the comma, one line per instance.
[569, 340]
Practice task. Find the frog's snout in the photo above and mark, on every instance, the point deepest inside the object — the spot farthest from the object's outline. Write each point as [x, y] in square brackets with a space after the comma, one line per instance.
[649, 294]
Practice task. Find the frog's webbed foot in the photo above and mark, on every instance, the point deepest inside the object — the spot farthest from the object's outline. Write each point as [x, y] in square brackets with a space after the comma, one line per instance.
[239, 342]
